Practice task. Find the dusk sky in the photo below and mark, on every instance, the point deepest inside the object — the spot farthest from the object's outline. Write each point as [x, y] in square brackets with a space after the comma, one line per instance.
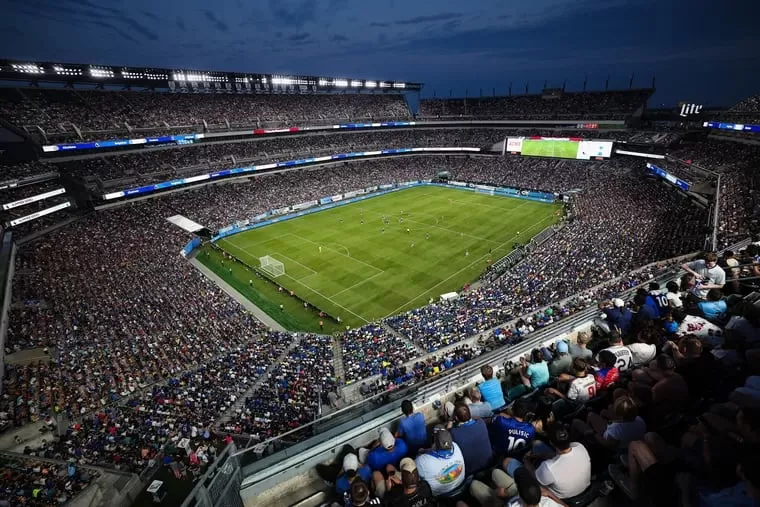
[700, 51]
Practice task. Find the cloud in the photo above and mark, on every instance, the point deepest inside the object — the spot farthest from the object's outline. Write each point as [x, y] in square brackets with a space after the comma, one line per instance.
[150, 15]
[379, 24]
[293, 13]
[427, 19]
[218, 23]
[297, 37]
[339, 38]
[180, 23]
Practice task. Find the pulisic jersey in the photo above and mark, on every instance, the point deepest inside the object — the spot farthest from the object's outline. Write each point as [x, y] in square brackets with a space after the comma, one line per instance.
[582, 388]
[510, 435]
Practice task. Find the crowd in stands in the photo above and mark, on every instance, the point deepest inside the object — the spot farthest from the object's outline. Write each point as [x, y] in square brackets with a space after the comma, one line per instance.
[291, 395]
[39, 483]
[659, 408]
[575, 105]
[144, 351]
[739, 188]
[97, 114]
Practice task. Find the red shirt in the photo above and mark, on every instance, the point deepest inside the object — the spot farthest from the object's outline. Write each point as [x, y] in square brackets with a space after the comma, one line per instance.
[606, 377]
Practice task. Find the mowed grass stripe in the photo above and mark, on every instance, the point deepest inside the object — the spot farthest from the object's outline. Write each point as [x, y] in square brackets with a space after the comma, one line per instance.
[363, 274]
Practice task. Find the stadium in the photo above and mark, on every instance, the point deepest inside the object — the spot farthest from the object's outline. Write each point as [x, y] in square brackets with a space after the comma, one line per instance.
[240, 289]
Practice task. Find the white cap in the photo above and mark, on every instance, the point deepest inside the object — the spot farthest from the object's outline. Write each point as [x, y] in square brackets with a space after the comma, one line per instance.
[351, 462]
[386, 438]
[618, 303]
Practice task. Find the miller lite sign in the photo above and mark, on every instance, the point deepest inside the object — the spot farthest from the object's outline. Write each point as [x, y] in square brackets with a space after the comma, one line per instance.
[689, 109]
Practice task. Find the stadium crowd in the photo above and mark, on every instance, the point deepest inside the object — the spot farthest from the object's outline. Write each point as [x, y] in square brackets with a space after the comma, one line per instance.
[39, 483]
[104, 114]
[661, 405]
[740, 184]
[575, 105]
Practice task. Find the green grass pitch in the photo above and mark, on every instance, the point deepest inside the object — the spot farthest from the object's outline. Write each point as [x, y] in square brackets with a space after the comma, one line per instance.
[561, 149]
[349, 263]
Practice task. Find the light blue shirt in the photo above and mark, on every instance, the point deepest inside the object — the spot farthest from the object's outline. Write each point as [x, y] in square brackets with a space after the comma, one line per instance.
[538, 373]
[492, 393]
[713, 309]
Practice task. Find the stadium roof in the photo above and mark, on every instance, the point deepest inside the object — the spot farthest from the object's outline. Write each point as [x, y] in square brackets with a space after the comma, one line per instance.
[202, 80]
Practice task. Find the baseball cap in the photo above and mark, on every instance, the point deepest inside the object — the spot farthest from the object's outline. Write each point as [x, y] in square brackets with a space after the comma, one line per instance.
[350, 462]
[562, 347]
[408, 465]
[618, 303]
[442, 440]
[386, 438]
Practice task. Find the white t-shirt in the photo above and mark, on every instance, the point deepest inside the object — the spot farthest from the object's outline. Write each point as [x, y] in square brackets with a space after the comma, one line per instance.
[674, 300]
[444, 474]
[624, 357]
[642, 353]
[567, 474]
[626, 432]
[582, 388]
[702, 328]
[713, 276]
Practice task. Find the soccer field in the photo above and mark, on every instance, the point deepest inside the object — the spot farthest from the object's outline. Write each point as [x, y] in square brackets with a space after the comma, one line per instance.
[548, 148]
[347, 262]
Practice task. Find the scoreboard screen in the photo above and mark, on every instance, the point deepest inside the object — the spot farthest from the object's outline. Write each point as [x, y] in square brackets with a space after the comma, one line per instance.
[559, 147]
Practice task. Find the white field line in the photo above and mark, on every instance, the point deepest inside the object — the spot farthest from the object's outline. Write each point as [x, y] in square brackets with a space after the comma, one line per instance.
[358, 284]
[311, 288]
[334, 250]
[276, 252]
[480, 259]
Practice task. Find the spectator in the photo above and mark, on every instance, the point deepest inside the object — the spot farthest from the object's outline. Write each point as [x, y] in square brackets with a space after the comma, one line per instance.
[412, 428]
[606, 374]
[535, 374]
[478, 408]
[673, 295]
[714, 308]
[491, 388]
[568, 472]
[641, 351]
[352, 471]
[618, 317]
[513, 434]
[578, 349]
[522, 490]
[442, 466]
[388, 451]
[582, 386]
[471, 435]
[563, 362]
[623, 426]
[623, 357]
[707, 273]
[360, 496]
[409, 490]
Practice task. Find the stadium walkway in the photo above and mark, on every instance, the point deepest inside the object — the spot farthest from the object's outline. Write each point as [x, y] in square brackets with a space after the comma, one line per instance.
[247, 304]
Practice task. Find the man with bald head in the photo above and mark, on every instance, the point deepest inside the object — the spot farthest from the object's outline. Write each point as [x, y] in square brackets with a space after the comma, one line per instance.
[472, 437]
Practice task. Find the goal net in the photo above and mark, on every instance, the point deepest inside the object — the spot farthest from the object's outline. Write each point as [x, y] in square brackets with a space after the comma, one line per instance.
[271, 266]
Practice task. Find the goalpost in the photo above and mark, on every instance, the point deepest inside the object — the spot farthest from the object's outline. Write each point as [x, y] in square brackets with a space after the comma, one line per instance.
[271, 266]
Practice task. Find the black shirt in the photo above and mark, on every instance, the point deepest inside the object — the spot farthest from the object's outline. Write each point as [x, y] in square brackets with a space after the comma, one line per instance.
[422, 497]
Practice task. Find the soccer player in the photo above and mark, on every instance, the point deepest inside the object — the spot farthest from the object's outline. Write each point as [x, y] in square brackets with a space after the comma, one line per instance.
[466, 253]
[408, 230]
[412, 246]
[427, 235]
[320, 249]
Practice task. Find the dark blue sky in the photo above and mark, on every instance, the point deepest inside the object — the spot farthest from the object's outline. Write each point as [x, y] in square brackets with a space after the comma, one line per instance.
[704, 51]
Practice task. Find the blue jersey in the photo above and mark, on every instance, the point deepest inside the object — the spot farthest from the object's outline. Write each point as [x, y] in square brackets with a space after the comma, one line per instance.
[510, 436]
[659, 302]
